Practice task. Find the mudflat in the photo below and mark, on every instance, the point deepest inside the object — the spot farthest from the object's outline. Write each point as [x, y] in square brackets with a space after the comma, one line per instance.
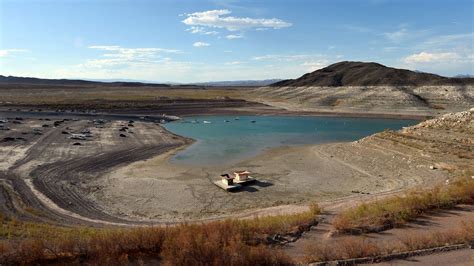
[122, 174]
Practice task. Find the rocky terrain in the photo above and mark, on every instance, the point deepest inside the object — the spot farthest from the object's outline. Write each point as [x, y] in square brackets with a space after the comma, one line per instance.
[356, 87]
[409, 100]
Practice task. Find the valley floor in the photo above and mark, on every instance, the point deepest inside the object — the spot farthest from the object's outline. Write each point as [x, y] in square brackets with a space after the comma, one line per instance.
[121, 176]
[128, 178]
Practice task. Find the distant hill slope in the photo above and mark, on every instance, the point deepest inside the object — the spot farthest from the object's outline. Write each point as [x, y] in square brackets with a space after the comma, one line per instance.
[368, 74]
[131, 83]
[238, 83]
[69, 82]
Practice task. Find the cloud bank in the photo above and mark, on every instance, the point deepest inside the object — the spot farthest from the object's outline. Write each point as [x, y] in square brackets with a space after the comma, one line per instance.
[201, 44]
[221, 19]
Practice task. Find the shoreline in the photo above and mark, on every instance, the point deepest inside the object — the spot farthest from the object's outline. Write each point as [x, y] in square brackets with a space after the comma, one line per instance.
[368, 115]
[297, 200]
[238, 111]
[278, 171]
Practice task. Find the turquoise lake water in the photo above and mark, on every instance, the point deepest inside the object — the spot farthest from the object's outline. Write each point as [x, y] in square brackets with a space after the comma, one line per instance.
[228, 139]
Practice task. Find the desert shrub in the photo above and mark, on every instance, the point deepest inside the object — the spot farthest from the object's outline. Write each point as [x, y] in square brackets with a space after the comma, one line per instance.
[228, 242]
[398, 210]
[351, 247]
[217, 243]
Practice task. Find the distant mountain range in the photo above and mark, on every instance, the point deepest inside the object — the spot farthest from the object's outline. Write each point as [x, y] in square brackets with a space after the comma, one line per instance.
[336, 75]
[369, 74]
[464, 76]
[243, 83]
[66, 82]
[131, 82]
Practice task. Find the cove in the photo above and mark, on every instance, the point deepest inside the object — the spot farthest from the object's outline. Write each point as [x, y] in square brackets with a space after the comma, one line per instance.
[222, 140]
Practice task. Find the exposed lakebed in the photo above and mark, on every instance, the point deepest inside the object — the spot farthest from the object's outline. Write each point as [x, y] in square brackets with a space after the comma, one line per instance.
[229, 139]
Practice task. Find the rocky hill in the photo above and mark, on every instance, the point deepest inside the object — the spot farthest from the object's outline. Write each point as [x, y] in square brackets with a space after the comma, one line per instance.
[356, 87]
[369, 74]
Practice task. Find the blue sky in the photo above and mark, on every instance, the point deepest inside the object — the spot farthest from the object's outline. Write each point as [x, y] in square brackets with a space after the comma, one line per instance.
[190, 41]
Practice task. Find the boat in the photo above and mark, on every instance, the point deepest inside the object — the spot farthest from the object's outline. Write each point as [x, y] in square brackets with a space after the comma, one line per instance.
[206, 122]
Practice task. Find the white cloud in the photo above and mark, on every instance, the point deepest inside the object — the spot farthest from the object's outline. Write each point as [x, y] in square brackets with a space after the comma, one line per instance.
[390, 49]
[303, 62]
[448, 41]
[201, 44]
[426, 57]
[396, 36]
[446, 62]
[316, 64]
[201, 30]
[164, 68]
[403, 34]
[6, 52]
[359, 29]
[233, 63]
[232, 37]
[445, 54]
[122, 50]
[220, 19]
[286, 58]
[116, 56]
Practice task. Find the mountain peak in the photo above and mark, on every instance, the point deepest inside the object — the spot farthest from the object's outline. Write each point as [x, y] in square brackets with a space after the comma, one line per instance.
[351, 73]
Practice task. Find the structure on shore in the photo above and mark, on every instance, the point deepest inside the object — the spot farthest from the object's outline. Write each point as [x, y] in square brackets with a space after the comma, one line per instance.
[243, 177]
[240, 178]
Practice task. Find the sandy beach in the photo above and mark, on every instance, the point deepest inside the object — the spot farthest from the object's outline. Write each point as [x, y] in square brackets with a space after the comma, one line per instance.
[159, 190]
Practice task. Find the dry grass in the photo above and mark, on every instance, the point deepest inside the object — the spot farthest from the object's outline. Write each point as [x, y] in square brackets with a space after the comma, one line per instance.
[230, 242]
[398, 210]
[350, 247]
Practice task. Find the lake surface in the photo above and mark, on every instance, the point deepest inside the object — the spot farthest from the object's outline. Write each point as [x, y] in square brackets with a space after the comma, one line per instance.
[229, 139]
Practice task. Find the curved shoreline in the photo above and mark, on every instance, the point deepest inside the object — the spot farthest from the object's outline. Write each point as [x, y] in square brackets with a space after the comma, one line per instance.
[245, 213]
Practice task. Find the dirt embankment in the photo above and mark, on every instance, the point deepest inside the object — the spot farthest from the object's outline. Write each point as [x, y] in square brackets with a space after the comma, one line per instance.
[408, 100]
[48, 173]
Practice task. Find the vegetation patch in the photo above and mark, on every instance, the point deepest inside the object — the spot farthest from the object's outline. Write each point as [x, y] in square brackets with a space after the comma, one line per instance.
[353, 247]
[230, 242]
[395, 211]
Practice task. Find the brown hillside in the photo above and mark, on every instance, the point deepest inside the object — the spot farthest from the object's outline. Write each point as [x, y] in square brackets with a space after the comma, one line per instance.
[368, 74]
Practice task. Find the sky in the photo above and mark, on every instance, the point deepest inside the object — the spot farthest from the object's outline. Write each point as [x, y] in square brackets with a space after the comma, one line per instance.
[197, 41]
